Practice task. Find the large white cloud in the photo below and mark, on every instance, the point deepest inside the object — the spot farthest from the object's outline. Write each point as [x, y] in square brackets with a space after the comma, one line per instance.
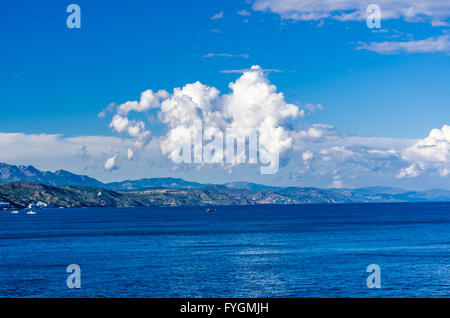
[436, 11]
[431, 153]
[252, 104]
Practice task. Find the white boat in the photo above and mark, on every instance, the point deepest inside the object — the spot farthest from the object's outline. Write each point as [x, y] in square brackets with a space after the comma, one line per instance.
[15, 212]
[31, 212]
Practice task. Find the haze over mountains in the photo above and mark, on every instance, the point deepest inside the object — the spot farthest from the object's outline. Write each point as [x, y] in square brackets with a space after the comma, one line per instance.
[22, 185]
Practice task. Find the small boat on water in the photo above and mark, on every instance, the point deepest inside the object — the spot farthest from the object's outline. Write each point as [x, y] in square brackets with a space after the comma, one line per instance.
[208, 210]
[15, 212]
[31, 212]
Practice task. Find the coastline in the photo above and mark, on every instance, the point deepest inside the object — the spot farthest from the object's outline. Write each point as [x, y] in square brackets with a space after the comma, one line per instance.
[22, 195]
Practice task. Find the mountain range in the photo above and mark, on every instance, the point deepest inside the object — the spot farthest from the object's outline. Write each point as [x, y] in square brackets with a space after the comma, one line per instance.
[23, 185]
[11, 173]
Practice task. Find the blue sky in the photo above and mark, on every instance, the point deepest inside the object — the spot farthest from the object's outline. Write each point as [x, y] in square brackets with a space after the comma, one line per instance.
[55, 80]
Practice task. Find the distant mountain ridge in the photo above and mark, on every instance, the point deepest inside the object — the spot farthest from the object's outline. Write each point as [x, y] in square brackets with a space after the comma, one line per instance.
[73, 190]
[11, 173]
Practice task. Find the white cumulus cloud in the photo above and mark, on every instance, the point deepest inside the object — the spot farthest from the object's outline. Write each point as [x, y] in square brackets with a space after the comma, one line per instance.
[430, 153]
[110, 163]
[252, 104]
[149, 99]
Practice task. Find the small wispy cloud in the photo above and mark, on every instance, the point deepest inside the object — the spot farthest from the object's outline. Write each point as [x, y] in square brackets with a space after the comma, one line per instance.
[429, 45]
[320, 24]
[108, 109]
[312, 108]
[244, 13]
[380, 30]
[439, 23]
[217, 16]
[210, 55]
[244, 70]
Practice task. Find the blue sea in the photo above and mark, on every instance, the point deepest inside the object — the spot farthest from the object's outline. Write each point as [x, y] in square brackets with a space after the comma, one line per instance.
[252, 251]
